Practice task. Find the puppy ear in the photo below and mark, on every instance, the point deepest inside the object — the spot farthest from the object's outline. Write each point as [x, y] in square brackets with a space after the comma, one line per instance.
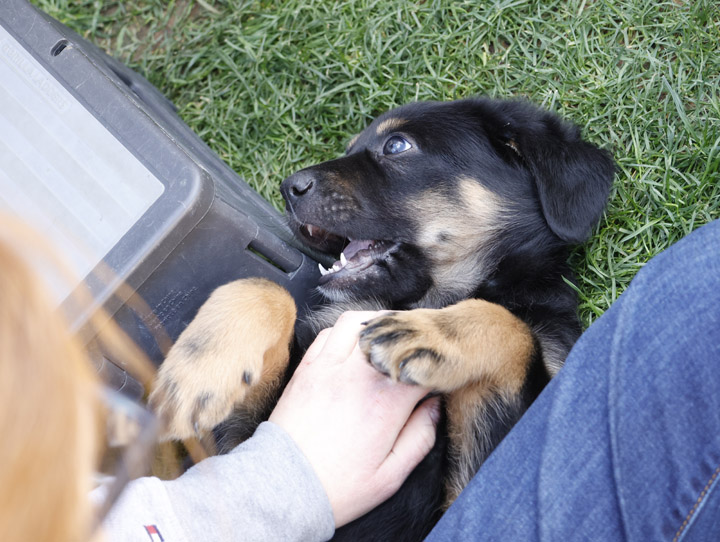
[573, 177]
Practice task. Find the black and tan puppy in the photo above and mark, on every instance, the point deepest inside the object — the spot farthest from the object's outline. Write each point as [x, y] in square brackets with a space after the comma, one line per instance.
[458, 217]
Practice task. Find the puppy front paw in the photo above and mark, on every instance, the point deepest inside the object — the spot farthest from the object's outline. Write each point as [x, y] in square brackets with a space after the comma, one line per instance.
[404, 346]
[198, 386]
[234, 351]
[446, 349]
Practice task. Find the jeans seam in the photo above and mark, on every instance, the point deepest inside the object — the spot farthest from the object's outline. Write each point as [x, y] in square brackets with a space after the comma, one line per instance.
[616, 354]
[692, 511]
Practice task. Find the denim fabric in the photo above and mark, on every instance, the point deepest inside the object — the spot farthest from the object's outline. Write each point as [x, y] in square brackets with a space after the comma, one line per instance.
[624, 444]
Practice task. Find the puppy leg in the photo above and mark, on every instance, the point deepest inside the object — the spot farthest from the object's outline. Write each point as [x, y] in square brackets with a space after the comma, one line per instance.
[446, 349]
[475, 352]
[479, 416]
[236, 350]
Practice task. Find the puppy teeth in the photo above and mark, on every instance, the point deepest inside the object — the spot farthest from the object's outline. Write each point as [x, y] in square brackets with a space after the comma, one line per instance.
[310, 230]
[323, 271]
[343, 259]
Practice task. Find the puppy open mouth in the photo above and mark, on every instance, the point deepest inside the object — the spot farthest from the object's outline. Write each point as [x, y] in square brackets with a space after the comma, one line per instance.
[355, 255]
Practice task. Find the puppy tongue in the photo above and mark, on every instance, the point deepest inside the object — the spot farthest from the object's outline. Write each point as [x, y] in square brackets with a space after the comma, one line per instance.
[354, 247]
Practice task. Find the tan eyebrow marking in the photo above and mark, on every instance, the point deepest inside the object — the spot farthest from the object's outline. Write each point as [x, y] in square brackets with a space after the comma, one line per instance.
[388, 125]
[352, 142]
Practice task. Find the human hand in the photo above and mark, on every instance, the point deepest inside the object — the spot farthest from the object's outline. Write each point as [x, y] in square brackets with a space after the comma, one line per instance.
[360, 430]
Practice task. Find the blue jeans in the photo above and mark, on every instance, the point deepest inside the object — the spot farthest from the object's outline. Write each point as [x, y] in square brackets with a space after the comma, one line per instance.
[624, 444]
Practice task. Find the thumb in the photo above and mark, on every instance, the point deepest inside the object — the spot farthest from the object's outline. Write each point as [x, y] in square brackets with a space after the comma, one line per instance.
[414, 442]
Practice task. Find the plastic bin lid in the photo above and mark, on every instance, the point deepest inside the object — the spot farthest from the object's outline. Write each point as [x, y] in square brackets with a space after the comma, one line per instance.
[80, 162]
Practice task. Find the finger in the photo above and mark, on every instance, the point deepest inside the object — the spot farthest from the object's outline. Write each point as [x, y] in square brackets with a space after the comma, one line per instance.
[317, 345]
[413, 443]
[385, 399]
[394, 400]
[344, 335]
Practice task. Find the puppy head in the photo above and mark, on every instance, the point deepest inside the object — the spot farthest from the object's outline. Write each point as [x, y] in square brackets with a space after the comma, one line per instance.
[430, 195]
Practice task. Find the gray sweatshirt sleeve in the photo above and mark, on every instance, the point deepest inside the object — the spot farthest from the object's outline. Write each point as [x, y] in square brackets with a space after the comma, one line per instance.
[265, 489]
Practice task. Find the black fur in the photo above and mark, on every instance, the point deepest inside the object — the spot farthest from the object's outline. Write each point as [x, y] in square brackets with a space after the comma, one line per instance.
[549, 188]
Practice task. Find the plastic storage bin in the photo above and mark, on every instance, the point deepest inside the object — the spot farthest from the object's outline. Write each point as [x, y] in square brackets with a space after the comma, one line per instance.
[97, 158]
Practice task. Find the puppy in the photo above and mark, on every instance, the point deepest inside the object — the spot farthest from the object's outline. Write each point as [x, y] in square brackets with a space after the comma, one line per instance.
[457, 217]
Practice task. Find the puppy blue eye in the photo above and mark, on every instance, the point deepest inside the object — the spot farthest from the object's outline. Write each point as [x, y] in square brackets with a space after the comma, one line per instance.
[396, 145]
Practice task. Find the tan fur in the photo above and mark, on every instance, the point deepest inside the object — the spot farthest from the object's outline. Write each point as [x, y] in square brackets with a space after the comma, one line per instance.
[553, 353]
[468, 410]
[453, 233]
[389, 125]
[352, 142]
[447, 349]
[234, 351]
[475, 352]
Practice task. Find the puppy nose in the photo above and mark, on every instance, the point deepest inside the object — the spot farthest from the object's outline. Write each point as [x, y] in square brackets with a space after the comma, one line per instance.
[297, 185]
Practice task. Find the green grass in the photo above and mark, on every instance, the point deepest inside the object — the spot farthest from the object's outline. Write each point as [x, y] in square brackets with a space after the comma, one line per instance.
[275, 86]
